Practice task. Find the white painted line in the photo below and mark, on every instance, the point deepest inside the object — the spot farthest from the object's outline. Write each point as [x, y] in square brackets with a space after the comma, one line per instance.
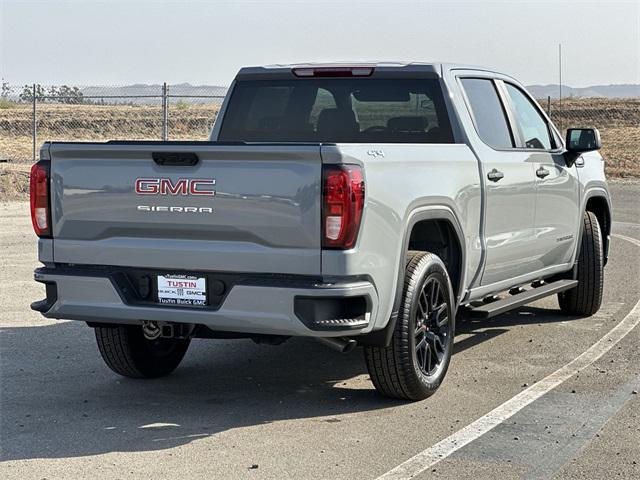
[628, 239]
[627, 224]
[441, 450]
[432, 455]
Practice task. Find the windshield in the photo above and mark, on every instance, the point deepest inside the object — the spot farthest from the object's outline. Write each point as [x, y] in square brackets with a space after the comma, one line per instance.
[360, 110]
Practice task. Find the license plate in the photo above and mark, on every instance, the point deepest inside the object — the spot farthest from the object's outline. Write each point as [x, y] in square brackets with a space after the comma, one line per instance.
[182, 290]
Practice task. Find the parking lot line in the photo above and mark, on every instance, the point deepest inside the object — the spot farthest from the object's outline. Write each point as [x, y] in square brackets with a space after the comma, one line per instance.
[441, 450]
[628, 239]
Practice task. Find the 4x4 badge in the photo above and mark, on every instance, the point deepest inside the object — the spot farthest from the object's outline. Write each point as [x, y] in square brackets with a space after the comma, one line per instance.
[376, 153]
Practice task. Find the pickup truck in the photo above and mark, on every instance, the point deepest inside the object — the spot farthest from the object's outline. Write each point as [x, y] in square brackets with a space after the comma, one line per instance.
[364, 205]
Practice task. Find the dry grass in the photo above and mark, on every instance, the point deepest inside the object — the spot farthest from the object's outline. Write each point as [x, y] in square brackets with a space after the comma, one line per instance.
[619, 123]
[617, 119]
[88, 123]
[100, 123]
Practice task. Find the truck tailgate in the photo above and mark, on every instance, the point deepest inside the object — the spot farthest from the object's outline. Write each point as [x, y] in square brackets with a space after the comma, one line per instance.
[264, 216]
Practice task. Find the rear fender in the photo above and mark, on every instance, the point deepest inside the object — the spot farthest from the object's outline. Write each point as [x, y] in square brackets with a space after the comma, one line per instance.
[383, 336]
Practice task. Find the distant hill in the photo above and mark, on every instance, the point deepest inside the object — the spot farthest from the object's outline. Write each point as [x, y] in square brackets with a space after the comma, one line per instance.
[139, 93]
[608, 91]
[143, 92]
[538, 91]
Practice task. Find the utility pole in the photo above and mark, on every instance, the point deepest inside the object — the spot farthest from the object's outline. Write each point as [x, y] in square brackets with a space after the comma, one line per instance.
[560, 84]
[165, 113]
[34, 121]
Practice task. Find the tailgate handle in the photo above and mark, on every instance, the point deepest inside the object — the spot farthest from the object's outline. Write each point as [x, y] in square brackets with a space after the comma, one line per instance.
[183, 159]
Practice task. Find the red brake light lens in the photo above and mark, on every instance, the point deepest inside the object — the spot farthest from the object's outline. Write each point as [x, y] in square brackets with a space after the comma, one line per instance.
[337, 71]
[342, 205]
[39, 199]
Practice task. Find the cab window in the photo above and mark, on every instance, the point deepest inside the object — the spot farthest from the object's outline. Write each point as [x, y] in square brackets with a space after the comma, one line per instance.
[488, 115]
[533, 127]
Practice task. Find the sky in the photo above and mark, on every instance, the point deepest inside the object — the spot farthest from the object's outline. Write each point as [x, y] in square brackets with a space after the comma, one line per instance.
[89, 42]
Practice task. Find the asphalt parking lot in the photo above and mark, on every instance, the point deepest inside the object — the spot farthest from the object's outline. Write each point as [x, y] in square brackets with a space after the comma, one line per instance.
[239, 410]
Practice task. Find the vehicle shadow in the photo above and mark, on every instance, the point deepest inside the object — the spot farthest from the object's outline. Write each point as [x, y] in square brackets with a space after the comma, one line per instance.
[59, 400]
[481, 330]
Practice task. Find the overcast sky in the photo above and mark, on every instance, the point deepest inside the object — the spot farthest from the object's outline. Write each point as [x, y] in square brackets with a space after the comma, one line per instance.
[84, 42]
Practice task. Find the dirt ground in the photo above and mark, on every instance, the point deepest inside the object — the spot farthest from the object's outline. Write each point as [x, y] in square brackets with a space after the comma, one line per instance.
[14, 181]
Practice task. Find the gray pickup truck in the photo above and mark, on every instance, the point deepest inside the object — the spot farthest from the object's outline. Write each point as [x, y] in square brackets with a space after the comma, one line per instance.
[364, 204]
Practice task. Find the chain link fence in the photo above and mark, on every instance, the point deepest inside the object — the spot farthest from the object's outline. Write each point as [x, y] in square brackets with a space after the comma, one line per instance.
[617, 119]
[31, 114]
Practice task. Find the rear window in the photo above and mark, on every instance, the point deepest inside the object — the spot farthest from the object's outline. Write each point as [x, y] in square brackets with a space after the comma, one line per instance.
[337, 110]
[489, 116]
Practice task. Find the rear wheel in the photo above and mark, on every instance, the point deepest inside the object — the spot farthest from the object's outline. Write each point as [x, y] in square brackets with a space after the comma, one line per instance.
[413, 366]
[127, 352]
[585, 299]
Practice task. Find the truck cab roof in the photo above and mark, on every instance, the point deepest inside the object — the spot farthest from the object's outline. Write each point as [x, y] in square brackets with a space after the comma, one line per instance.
[379, 68]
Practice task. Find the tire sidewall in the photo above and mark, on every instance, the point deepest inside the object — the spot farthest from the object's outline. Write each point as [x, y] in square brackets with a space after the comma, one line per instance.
[127, 352]
[586, 298]
[429, 266]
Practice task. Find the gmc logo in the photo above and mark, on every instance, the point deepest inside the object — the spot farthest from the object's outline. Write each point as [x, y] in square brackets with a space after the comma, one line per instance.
[182, 186]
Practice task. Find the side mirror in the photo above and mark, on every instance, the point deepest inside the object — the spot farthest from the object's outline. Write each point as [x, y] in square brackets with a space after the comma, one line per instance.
[581, 140]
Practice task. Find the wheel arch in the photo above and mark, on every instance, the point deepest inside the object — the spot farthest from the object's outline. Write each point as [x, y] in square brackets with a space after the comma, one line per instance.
[597, 201]
[427, 227]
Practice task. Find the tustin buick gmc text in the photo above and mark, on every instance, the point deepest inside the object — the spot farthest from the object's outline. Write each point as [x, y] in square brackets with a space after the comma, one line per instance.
[367, 205]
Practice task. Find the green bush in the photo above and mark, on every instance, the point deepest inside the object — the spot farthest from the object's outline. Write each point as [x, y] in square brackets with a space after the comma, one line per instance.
[5, 104]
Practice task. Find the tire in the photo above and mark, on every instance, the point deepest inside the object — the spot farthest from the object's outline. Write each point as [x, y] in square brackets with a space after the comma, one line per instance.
[400, 370]
[127, 352]
[585, 299]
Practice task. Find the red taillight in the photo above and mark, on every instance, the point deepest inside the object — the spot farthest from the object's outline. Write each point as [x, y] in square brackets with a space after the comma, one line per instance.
[342, 205]
[39, 196]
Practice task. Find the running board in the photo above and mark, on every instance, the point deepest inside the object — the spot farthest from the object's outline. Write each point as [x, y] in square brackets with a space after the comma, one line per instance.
[514, 301]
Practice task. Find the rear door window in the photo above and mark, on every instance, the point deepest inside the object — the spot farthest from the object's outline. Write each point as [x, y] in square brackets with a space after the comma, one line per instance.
[488, 113]
[355, 110]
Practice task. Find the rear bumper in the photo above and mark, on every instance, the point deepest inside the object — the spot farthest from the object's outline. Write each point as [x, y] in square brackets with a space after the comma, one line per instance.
[296, 306]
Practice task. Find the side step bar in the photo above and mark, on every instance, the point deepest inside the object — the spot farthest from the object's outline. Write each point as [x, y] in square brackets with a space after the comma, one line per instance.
[514, 301]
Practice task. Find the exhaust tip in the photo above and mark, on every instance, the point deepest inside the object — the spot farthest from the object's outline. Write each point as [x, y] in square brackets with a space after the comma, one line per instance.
[342, 345]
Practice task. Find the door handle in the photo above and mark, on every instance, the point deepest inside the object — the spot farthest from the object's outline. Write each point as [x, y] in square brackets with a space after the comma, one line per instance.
[542, 172]
[495, 175]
